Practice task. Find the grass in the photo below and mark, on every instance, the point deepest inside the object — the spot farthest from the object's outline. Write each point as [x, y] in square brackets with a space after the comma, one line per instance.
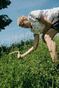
[34, 71]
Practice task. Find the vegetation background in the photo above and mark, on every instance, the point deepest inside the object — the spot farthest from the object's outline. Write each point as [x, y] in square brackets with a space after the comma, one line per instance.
[34, 71]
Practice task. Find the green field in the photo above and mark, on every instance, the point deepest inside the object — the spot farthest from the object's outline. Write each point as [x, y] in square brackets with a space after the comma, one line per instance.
[36, 70]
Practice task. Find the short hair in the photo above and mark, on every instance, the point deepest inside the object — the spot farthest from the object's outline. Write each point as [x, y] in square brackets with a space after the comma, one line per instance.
[21, 19]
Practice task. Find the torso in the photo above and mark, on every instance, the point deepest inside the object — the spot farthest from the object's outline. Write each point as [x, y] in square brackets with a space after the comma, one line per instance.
[48, 14]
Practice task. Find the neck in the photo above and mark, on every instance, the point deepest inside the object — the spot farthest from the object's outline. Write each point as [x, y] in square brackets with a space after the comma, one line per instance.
[29, 25]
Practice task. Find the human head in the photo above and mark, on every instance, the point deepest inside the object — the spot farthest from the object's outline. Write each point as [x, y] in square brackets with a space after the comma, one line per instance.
[23, 22]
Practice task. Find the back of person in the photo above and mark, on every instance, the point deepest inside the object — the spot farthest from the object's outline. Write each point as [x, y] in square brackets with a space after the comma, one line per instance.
[50, 15]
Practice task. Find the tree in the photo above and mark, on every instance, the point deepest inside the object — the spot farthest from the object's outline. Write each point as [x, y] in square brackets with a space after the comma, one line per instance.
[4, 19]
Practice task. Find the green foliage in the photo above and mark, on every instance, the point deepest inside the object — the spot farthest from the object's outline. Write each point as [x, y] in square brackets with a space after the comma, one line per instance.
[4, 3]
[4, 19]
[34, 71]
[15, 46]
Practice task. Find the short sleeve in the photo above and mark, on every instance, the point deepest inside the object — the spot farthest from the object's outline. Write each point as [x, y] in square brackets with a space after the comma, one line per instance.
[34, 15]
[36, 25]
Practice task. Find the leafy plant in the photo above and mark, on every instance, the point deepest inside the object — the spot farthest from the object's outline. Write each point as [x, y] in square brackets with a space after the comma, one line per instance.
[34, 71]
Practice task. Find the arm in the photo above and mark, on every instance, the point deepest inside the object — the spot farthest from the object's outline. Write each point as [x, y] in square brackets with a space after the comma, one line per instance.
[23, 22]
[44, 21]
[47, 24]
[36, 42]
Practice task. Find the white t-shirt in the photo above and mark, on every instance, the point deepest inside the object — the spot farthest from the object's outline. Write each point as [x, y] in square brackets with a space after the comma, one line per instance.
[49, 14]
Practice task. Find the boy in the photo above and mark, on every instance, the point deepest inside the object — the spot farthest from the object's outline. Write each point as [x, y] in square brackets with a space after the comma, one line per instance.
[45, 22]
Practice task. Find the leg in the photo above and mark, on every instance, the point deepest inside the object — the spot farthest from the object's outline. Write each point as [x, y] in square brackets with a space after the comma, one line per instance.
[51, 44]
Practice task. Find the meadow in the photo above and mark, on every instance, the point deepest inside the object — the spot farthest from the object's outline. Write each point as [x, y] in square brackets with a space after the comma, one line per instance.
[36, 70]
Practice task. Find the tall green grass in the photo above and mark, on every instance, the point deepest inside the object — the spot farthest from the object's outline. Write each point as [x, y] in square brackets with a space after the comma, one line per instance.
[36, 70]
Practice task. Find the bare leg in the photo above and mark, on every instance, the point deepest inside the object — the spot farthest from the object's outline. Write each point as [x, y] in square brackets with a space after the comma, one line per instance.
[51, 44]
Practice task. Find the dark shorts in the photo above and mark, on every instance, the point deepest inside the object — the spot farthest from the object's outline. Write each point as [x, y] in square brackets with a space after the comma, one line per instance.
[55, 25]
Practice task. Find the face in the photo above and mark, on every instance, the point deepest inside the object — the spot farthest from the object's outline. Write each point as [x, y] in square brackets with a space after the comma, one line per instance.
[23, 22]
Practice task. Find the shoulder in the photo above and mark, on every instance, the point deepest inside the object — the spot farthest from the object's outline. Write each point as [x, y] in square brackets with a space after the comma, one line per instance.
[35, 13]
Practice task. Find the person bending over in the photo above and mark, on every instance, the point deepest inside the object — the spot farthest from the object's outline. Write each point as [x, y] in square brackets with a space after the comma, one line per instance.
[45, 22]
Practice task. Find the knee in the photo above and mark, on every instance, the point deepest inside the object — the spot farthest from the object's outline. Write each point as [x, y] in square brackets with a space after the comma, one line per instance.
[47, 38]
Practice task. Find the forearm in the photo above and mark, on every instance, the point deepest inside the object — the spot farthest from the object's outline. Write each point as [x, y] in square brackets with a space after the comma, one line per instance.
[36, 42]
[27, 52]
[46, 22]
